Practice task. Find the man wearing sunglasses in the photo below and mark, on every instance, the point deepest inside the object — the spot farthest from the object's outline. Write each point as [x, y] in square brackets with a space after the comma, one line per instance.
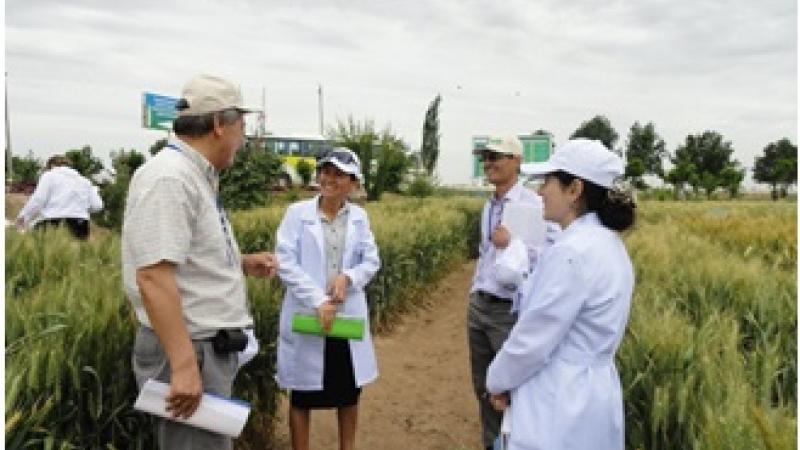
[182, 270]
[490, 315]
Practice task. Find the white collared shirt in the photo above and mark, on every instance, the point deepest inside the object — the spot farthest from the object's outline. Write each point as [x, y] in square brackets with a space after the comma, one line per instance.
[485, 273]
[62, 193]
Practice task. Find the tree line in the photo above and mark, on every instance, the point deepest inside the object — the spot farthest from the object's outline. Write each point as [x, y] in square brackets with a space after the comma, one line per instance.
[703, 161]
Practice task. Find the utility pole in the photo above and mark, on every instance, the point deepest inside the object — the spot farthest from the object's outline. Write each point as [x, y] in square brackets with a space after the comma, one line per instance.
[321, 116]
[263, 111]
[8, 136]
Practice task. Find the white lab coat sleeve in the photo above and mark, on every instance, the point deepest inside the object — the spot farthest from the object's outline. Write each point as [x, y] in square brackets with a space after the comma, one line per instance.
[38, 199]
[512, 263]
[95, 201]
[370, 262]
[544, 322]
[299, 284]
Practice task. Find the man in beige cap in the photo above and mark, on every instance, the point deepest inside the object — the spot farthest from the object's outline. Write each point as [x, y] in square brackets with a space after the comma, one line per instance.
[182, 269]
[490, 316]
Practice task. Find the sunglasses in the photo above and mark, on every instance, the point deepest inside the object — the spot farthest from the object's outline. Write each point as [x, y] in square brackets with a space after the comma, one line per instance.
[492, 156]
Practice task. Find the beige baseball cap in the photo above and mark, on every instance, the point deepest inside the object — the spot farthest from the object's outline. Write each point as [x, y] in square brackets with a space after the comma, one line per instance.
[507, 145]
[205, 94]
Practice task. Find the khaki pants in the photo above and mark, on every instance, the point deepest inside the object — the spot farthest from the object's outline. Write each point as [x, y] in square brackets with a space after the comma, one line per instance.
[488, 324]
[217, 372]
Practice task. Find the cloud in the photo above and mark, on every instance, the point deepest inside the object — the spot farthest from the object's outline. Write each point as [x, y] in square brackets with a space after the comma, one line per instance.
[77, 69]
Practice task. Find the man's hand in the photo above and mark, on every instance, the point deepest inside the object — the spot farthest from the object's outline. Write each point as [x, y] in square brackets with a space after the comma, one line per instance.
[20, 224]
[338, 289]
[326, 313]
[185, 391]
[499, 401]
[501, 237]
[263, 265]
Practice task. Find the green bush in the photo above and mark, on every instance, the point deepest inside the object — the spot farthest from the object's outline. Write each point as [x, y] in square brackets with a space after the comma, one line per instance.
[306, 171]
[246, 183]
[420, 186]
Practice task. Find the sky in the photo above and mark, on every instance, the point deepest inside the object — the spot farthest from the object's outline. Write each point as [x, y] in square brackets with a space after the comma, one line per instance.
[76, 70]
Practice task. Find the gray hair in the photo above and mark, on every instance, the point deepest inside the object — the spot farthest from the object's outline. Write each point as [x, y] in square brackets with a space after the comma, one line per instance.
[197, 126]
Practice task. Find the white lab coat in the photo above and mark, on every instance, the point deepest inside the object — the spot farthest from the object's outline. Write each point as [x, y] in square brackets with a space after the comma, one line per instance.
[558, 361]
[300, 252]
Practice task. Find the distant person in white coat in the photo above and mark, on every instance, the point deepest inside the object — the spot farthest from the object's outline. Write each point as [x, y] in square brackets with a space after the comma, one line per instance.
[557, 366]
[63, 197]
[327, 255]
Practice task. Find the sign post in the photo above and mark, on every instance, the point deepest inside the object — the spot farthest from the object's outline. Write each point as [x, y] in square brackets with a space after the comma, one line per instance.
[158, 111]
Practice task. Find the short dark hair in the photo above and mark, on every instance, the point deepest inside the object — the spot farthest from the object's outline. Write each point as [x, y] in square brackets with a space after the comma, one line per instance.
[200, 125]
[57, 161]
[615, 212]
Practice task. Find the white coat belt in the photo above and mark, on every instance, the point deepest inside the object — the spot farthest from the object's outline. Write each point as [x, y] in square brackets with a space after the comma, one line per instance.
[578, 358]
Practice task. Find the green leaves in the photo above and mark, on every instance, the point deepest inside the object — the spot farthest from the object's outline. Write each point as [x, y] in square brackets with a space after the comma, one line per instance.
[777, 167]
[246, 183]
[429, 153]
[384, 156]
[598, 128]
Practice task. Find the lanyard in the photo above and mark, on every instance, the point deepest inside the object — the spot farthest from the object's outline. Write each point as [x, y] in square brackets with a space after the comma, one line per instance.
[223, 217]
[488, 228]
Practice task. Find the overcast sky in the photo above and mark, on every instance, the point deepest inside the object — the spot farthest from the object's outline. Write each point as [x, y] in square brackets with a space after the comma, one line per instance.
[76, 70]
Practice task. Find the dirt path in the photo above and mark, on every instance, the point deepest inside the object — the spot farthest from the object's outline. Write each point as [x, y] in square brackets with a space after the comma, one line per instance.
[423, 397]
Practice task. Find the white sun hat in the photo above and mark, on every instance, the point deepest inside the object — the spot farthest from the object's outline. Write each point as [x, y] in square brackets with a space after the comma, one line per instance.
[344, 159]
[584, 158]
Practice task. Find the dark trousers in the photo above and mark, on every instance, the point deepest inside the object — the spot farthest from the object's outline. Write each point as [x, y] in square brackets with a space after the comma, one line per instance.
[489, 321]
[79, 228]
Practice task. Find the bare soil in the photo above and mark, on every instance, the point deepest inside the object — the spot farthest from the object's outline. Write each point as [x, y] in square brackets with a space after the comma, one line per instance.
[423, 396]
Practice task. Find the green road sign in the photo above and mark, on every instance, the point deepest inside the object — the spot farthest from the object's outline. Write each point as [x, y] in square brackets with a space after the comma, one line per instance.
[158, 111]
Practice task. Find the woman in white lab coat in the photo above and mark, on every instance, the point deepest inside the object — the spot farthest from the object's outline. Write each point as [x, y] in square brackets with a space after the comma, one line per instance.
[557, 366]
[327, 254]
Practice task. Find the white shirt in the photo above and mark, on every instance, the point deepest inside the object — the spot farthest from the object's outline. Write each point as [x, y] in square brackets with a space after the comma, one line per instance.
[486, 279]
[558, 361]
[62, 193]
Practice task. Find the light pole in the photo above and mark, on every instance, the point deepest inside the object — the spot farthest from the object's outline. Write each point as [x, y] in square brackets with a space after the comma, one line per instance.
[8, 137]
[321, 119]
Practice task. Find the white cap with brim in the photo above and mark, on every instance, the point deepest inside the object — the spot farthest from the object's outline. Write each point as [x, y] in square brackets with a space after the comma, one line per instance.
[584, 158]
[344, 159]
[506, 145]
[205, 94]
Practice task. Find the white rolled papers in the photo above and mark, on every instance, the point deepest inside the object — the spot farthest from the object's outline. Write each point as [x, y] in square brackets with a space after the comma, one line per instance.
[216, 414]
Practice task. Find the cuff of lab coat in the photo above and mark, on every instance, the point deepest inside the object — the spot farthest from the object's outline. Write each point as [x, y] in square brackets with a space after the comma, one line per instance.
[353, 276]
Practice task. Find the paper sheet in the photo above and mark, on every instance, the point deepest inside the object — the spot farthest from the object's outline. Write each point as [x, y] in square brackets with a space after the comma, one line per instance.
[216, 414]
[524, 221]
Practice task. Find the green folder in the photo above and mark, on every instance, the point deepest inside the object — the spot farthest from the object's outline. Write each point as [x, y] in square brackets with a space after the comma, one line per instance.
[343, 327]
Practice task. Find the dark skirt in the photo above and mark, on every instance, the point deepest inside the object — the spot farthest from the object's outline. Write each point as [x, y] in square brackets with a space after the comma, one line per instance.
[338, 380]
